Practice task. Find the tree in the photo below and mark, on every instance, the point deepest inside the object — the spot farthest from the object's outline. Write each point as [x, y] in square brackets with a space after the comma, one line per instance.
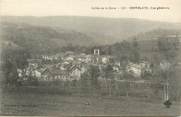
[89, 79]
[84, 82]
[94, 73]
[135, 55]
[10, 72]
[125, 50]
[13, 58]
[168, 49]
[109, 76]
[108, 71]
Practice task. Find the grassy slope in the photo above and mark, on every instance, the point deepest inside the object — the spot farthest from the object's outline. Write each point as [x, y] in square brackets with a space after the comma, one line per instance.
[46, 104]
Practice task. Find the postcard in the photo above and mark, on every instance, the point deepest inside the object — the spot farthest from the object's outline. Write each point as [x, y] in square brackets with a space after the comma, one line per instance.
[90, 57]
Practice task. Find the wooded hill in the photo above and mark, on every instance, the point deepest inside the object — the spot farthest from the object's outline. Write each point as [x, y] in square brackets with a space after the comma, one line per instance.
[100, 30]
[39, 35]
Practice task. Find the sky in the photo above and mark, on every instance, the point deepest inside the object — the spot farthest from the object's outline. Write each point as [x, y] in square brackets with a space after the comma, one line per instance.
[85, 8]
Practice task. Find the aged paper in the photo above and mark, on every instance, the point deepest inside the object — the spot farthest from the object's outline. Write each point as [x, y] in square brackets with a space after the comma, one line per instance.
[90, 57]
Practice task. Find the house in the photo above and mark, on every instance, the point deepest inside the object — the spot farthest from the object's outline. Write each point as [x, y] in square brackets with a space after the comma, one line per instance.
[83, 58]
[88, 59]
[116, 68]
[96, 59]
[105, 59]
[96, 52]
[36, 74]
[146, 66]
[20, 73]
[134, 69]
[34, 62]
[54, 75]
[165, 65]
[70, 58]
[25, 74]
[71, 71]
[65, 65]
[75, 71]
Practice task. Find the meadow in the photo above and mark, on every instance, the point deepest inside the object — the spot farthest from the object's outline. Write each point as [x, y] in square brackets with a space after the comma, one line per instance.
[30, 101]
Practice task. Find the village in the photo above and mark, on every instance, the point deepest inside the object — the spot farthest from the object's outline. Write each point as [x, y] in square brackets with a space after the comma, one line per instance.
[70, 66]
[75, 65]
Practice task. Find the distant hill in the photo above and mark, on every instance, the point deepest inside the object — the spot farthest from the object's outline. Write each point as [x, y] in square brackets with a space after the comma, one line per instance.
[50, 34]
[101, 30]
[148, 42]
[40, 38]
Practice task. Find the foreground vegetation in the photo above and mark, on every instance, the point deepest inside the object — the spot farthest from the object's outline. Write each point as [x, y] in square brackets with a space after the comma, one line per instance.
[28, 102]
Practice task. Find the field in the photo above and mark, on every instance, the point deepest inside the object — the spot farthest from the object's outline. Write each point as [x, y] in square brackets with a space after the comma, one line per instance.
[29, 103]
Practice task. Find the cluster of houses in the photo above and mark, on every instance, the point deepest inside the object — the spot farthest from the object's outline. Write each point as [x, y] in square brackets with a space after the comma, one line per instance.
[70, 66]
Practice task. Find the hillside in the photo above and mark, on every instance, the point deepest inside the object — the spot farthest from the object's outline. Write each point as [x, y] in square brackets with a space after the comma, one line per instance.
[41, 39]
[101, 30]
[50, 34]
[148, 43]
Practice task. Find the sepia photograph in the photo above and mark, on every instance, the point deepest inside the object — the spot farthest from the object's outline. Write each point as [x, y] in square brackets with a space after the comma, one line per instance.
[90, 58]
